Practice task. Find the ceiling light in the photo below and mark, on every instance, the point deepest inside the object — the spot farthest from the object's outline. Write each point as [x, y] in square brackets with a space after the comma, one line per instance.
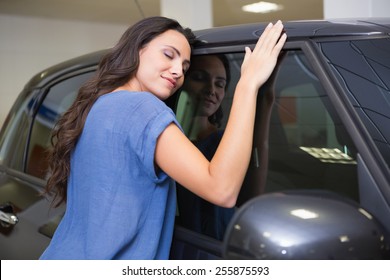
[262, 7]
[329, 155]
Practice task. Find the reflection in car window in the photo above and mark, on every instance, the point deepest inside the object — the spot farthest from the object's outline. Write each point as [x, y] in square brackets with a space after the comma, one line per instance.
[56, 102]
[309, 147]
[202, 110]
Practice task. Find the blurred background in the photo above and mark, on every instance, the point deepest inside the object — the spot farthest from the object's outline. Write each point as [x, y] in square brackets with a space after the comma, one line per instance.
[35, 34]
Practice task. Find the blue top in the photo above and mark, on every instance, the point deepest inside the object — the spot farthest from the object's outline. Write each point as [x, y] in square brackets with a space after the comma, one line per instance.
[117, 206]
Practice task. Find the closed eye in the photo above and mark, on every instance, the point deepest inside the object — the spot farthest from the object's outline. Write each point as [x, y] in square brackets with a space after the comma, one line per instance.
[169, 54]
[221, 84]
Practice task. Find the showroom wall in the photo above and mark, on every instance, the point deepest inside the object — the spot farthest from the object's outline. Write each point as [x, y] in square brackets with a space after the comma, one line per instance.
[356, 8]
[51, 41]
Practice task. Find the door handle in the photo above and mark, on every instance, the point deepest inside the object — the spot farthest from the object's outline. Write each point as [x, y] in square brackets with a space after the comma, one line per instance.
[8, 218]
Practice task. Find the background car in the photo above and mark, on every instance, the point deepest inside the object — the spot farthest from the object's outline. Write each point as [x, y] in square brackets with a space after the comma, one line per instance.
[327, 188]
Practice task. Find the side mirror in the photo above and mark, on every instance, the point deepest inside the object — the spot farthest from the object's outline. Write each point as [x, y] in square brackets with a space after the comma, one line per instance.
[304, 225]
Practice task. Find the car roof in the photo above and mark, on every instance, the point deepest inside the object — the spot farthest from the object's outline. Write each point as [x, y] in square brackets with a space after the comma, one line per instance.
[297, 30]
[239, 34]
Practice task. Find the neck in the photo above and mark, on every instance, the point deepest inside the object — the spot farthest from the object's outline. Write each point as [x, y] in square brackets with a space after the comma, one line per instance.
[132, 85]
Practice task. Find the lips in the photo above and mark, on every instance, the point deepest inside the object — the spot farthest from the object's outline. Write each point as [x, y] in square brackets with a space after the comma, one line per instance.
[171, 81]
[207, 100]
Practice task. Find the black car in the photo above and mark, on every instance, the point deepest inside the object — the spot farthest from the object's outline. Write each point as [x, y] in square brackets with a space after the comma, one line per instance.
[326, 191]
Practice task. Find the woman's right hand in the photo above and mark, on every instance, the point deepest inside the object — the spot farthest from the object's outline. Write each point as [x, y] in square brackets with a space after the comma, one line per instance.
[259, 63]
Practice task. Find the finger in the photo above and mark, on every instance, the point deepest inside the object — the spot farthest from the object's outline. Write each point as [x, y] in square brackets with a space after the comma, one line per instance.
[246, 57]
[278, 47]
[263, 36]
[270, 37]
[273, 35]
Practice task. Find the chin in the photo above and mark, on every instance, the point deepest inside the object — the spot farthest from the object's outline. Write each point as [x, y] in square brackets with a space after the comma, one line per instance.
[163, 95]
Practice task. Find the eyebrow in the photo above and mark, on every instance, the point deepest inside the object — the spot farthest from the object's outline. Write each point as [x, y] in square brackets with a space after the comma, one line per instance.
[221, 78]
[186, 61]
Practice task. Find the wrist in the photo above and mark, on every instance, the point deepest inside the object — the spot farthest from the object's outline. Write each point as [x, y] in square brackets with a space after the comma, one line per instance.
[247, 87]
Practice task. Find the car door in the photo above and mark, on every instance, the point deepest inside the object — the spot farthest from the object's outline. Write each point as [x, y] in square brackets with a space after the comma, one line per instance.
[318, 137]
[311, 143]
[22, 181]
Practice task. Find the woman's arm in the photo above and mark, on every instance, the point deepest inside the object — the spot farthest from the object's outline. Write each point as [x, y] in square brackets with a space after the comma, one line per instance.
[219, 181]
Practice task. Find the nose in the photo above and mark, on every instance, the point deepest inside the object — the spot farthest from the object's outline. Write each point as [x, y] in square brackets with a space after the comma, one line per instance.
[210, 88]
[177, 70]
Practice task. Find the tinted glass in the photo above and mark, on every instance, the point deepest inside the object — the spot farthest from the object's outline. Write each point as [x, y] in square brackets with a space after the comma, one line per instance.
[363, 68]
[15, 132]
[299, 141]
[57, 101]
[202, 110]
[309, 148]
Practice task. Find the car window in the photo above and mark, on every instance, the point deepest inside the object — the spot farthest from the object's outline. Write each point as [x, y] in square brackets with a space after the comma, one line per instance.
[14, 133]
[58, 99]
[363, 67]
[308, 146]
[206, 96]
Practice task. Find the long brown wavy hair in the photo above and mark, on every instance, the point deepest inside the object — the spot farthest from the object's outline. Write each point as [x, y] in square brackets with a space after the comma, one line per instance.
[116, 68]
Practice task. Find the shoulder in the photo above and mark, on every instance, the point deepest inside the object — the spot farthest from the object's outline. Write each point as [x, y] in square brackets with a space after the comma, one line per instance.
[129, 97]
[130, 101]
[128, 111]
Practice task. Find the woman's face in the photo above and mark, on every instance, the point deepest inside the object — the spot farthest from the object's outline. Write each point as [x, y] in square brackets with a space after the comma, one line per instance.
[206, 84]
[163, 63]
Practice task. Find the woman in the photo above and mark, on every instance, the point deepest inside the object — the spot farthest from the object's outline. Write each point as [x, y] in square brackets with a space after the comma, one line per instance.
[119, 147]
